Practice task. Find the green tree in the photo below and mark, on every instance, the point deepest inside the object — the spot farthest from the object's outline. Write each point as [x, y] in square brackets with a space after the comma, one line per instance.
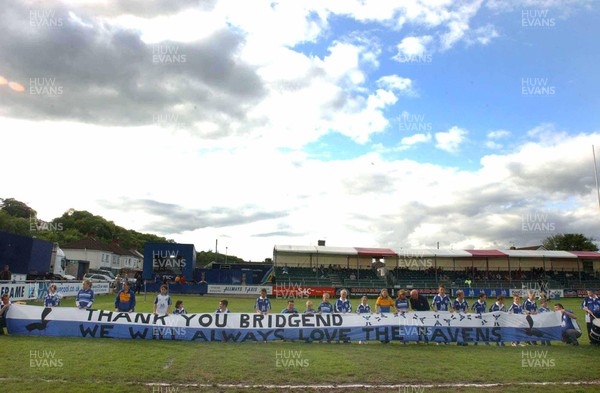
[570, 242]
[16, 208]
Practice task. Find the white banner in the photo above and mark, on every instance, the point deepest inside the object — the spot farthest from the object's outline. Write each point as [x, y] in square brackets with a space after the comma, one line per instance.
[552, 293]
[71, 288]
[236, 327]
[39, 290]
[238, 289]
[20, 291]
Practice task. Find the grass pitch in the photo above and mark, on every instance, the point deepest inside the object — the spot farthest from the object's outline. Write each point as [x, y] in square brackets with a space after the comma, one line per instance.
[114, 365]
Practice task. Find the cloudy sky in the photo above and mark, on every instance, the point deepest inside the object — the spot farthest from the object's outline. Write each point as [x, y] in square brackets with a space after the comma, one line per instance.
[361, 122]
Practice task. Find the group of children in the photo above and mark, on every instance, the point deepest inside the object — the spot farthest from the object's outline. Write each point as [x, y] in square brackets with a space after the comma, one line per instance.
[383, 304]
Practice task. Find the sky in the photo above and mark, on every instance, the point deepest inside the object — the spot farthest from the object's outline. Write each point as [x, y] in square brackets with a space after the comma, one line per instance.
[402, 124]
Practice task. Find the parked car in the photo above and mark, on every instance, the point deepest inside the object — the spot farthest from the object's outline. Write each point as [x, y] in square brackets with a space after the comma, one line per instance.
[97, 277]
[103, 272]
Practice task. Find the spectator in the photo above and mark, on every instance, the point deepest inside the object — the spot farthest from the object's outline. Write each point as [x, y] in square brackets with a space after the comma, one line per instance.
[263, 304]
[162, 303]
[179, 310]
[85, 296]
[223, 304]
[290, 309]
[342, 305]
[570, 330]
[384, 302]
[52, 298]
[125, 300]
[138, 282]
[418, 302]
[5, 275]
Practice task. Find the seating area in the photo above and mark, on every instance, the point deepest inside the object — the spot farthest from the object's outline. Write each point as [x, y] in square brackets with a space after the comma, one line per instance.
[330, 277]
[430, 278]
[302, 276]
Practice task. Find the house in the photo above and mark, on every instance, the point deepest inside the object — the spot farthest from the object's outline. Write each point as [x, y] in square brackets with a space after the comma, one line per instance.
[101, 255]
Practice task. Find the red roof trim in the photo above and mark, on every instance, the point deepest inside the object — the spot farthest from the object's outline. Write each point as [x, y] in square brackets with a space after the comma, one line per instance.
[586, 254]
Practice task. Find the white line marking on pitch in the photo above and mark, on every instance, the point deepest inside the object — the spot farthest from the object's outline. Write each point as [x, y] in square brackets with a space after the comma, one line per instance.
[368, 386]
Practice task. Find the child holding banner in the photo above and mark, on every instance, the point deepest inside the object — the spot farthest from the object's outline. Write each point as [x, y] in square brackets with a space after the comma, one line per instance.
[516, 308]
[223, 307]
[325, 306]
[461, 305]
[310, 310]
[52, 298]
[125, 301]
[85, 296]
[179, 310]
[544, 308]
[401, 303]
[3, 310]
[342, 305]
[384, 302]
[162, 303]
[263, 304]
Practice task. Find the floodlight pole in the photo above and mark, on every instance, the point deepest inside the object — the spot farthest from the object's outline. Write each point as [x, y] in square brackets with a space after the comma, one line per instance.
[596, 174]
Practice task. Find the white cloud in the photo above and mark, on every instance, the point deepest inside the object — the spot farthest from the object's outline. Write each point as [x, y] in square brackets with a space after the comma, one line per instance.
[412, 140]
[313, 199]
[414, 46]
[498, 134]
[396, 83]
[451, 140]
[482, 35]
[493, 145]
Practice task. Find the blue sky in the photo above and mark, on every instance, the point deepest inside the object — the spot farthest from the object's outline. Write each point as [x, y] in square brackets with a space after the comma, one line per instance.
[479, 87]
[364, 123]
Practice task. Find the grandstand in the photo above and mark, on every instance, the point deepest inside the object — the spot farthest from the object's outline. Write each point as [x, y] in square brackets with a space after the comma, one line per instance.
[427, 268]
